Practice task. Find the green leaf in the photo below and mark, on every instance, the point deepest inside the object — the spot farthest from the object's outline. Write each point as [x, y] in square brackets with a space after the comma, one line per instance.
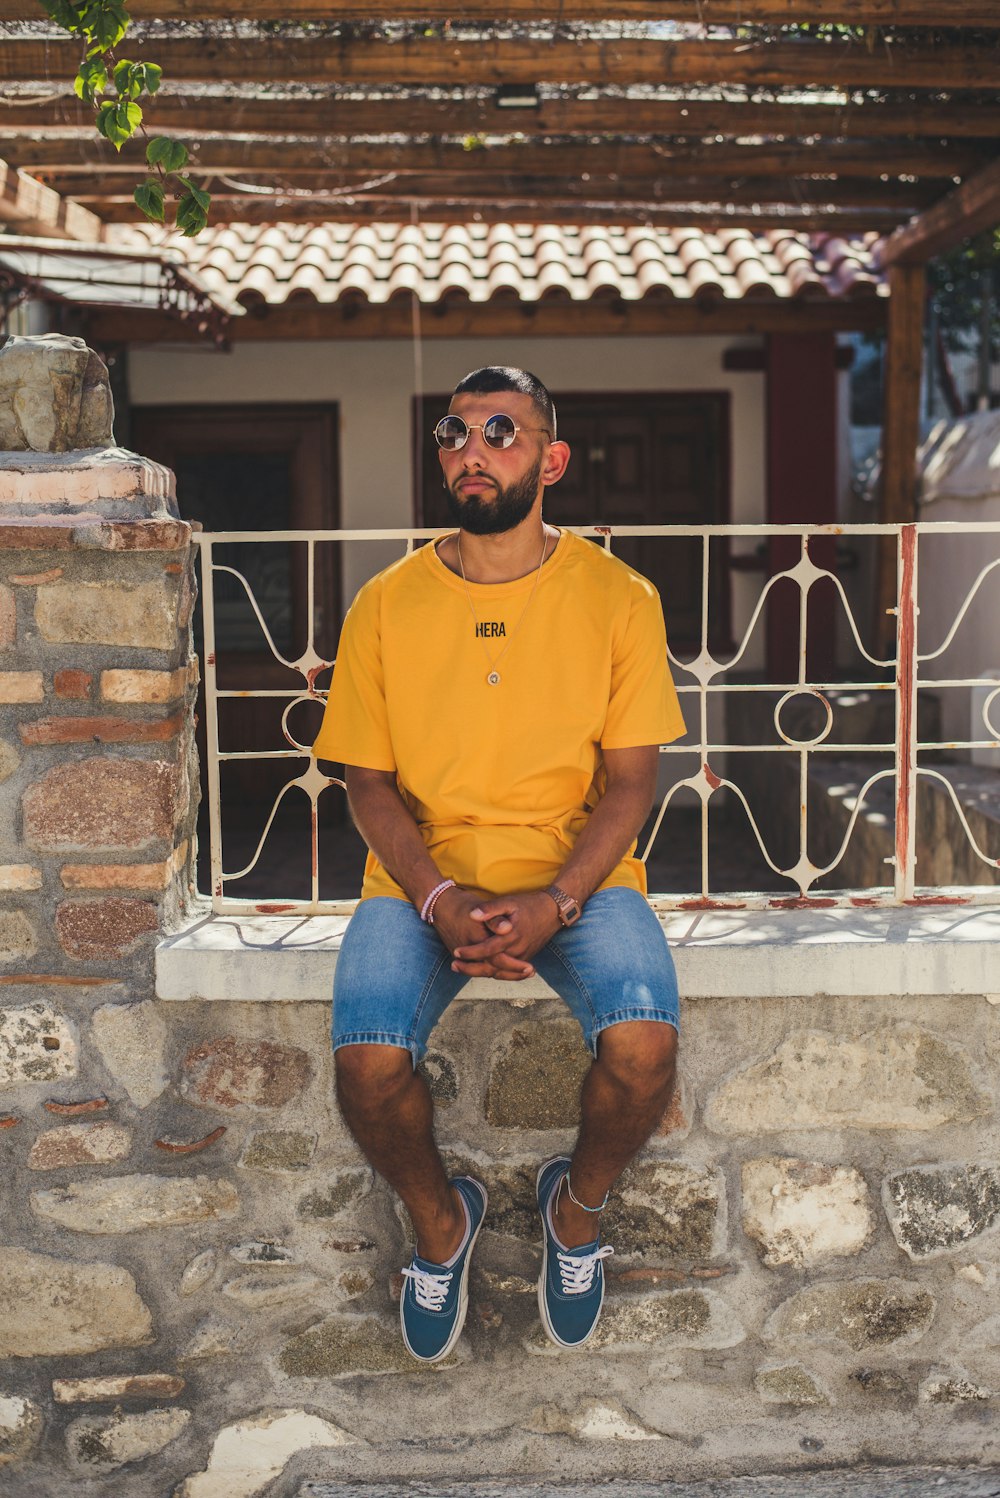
[91, 80]
[151, 75]
[105, 22]
[192, 215]
[150, 199]
[128, 79]
[169, 154]
[104, 114]
[64, 13]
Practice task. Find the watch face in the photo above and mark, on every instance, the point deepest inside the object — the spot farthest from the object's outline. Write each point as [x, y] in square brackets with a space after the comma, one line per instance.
[569, 913]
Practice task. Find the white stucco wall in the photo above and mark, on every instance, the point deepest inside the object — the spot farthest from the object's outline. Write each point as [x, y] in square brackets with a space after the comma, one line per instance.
[374, 380]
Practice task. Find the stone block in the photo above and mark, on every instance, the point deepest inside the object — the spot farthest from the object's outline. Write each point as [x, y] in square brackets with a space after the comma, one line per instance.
[155, 876]
[129, 1204]
[513, 1211]
[666, 1210]
[211, 1338]
[99, 930]
[102, 802]
[953, 1388]
[55, 395]
[198, 1272]
[246, 1457]
[100, 730]
[144, 686]
[132, 1041]
[22, 686]
[36, 1045]
[19, 876]
[590, 1420]
[346, 1188]
[232, 1073]
[57, 1308]
[884, 1384]
[72, 685]
[8, 618]
[262, 1251]
[271, 1287]
[9, 759]
[143, 617]
[17, 936]
[278, 1150]
[789, 1383]
[20, 1428]
[671, 1319]
[800, 1212]
[895, 1077]
[346, 1346]
[80, 1144]
[103, 1443]
[116, 1386]
[438, 1071]
[935, 1209]
[535, 1081]
[864, 1314]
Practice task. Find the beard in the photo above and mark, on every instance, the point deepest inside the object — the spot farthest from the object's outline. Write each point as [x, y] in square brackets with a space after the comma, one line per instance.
[484, 516]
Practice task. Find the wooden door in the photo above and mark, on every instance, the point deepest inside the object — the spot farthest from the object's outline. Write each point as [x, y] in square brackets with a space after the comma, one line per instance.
[642, 459]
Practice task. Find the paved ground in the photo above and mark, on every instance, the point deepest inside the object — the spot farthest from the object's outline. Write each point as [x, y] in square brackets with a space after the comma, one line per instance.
[926, 1482]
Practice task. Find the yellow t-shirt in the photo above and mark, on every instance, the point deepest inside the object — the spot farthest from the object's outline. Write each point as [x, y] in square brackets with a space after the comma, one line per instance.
[501, 779]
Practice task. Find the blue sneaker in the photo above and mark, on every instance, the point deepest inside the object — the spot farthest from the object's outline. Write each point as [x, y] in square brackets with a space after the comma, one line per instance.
[571, 1285]
[435, 1297]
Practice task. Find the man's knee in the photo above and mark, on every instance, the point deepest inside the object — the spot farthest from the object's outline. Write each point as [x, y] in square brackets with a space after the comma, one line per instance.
[641, 1056]
[371, 1075]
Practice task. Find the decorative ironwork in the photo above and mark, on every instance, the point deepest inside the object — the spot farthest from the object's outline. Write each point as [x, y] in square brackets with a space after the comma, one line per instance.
[701, 679]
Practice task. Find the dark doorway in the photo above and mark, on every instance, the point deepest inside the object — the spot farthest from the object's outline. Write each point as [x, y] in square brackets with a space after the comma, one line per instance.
[257, 468]
[637, 459]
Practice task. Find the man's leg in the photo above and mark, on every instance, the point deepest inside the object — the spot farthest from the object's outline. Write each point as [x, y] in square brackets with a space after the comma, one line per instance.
[387, 1107]
[392, 984]
[624, 1096]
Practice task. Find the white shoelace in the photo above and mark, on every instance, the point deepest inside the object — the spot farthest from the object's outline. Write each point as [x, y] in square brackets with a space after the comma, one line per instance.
[576, 1271]
[431, 1290]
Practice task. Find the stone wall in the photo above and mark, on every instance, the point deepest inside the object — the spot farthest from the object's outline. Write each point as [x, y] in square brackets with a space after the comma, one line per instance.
[199, 1276]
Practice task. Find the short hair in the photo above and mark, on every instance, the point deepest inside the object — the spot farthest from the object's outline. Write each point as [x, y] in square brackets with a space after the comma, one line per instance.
[504, 377]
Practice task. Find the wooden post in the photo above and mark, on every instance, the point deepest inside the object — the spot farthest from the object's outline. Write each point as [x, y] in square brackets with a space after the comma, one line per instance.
[900, 432]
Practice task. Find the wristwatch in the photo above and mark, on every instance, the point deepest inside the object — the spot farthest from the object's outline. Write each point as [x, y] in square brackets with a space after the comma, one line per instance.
[568, 908]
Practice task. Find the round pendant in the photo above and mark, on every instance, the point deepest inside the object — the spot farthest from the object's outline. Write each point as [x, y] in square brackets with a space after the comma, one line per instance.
[493, 679]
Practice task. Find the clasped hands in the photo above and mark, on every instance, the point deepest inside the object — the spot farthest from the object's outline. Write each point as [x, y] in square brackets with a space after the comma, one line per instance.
[495, 936]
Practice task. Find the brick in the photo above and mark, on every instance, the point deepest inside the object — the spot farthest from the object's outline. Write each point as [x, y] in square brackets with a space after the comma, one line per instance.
[33, 579]
[101, 802]
[8, 619]
[144, 686]
[115, 875]
[74, 685]
[67, 730]
[94, 929]
[145, 616]
[117, 1386]
[80, 1144]
[19, 876]
[21, 686]
[231, 1073]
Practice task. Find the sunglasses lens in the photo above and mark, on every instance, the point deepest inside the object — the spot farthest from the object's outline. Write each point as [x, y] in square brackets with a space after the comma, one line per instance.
[499, 431]
[451, 433]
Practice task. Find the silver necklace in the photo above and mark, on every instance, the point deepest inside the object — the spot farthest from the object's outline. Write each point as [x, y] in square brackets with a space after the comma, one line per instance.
[493, 677]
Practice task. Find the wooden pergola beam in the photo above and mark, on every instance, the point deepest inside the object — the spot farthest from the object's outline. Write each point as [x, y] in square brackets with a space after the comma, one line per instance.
[437, 60]
[32, 208]
[229, 154]
[176, 112]
[698, 12]
[509, 208]
[970, 209]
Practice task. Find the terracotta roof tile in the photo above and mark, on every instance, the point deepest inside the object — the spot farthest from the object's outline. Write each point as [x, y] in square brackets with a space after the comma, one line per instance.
[378, 261]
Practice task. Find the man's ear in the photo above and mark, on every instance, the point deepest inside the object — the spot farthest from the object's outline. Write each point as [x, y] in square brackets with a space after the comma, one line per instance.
[555, 463]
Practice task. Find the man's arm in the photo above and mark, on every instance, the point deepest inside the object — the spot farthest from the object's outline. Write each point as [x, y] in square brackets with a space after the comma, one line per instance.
[612, 827]
[390, 830]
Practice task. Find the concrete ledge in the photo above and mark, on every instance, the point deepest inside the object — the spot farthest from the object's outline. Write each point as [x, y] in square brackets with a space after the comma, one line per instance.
[732, 954]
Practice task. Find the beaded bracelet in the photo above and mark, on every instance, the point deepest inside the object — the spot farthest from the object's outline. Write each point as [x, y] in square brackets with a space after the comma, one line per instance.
[427, 912]
[583, 1205]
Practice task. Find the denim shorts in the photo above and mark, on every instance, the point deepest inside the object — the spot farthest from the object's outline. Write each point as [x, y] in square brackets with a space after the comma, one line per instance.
[394, 979]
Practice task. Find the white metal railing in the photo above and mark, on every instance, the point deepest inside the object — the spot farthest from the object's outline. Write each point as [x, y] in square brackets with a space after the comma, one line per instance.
[700, 679]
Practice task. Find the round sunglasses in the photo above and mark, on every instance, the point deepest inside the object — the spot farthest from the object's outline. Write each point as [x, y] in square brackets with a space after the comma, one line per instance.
[452, 433]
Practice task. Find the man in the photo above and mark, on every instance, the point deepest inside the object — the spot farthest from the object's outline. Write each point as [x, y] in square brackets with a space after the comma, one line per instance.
[498, 700]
